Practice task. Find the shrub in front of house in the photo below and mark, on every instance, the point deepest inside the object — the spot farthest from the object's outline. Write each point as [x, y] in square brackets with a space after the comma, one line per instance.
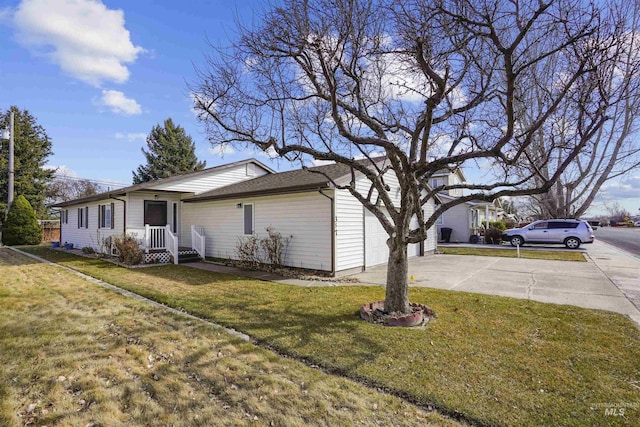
[500, 225]
[493, 236]
[254, 251]
[21, 226]
[128, 248]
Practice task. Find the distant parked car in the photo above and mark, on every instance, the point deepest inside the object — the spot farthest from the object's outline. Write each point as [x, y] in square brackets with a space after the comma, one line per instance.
[571, 232]
[637, 224]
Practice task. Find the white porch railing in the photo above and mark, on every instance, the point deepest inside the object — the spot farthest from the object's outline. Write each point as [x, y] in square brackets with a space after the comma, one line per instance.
[198, 240]
[161, 238]
[172, 243]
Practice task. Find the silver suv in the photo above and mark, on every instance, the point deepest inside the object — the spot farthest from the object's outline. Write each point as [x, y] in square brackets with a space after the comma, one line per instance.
[571, 232]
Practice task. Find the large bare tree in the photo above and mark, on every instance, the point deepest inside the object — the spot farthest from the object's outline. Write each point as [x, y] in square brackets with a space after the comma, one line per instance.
[610, 152]
[427, 84]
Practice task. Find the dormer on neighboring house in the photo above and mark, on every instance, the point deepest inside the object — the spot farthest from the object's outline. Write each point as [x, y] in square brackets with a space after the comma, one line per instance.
[447, 177]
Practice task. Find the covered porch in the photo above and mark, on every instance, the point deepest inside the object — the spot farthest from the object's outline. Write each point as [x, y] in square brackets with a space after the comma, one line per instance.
[162, 245]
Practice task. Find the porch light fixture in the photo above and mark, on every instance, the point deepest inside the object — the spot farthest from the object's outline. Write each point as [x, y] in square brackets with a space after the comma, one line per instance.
[155, 196]
[239, 206]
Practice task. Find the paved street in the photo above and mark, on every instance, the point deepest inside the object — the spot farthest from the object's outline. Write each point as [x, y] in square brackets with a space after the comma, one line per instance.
[621, 237]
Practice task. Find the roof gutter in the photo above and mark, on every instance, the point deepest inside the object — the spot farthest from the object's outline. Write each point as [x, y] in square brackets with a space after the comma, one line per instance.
[257, 193]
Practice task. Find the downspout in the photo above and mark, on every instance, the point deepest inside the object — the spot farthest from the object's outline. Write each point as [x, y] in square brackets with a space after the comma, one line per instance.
[61, 214]
[124, 214]
[333, 231]
[486, 216]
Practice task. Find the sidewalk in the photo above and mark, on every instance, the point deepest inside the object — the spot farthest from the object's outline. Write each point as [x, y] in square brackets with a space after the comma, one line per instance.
[621, 267]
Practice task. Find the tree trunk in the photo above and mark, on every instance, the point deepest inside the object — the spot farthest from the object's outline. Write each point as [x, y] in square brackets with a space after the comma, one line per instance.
[397, 295]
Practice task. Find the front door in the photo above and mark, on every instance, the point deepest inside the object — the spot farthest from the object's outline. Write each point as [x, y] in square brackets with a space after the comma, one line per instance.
[155, 212]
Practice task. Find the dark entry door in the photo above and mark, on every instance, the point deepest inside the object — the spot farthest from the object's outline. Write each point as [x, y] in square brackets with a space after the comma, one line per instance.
[155, 212]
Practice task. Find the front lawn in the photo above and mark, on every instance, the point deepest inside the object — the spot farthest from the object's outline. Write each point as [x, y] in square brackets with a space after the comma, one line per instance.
[512, 253]
[75, 354]
[492, 360]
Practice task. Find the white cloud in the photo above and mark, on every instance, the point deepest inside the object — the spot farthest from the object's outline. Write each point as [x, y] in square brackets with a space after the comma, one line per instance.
[131, 136]
[63, 170]
[316, 162]
[118, 103]
[270, 153]
[221, 150]
[85, 38]
[628, 188]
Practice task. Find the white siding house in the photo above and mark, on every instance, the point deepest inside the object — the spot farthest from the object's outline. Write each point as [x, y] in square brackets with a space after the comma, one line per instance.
[213, 210]
[330, 230]
[304, 216]
[151, 211]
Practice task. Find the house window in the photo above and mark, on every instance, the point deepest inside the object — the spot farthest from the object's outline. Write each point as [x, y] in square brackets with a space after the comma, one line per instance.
[83, 217]
[437, 182]
[175, 218]
[251, 169]
[64, 216]
[105, 216]
[248, 218]
[440, 220]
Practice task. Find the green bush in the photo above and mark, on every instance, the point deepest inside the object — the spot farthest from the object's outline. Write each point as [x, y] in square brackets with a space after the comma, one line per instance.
[128, 248]
[500, 225]
[21, 226]
[493, 236]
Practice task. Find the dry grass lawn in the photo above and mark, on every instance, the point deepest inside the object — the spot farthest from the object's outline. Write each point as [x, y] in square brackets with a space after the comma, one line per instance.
[512, 253]
[491, 360]
[75, 354]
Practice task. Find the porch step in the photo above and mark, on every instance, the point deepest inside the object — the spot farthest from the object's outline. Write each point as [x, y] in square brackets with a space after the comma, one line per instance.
[188, 255]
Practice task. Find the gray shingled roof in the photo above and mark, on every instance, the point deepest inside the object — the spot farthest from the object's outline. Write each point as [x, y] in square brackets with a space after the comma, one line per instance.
[145, 185]
[284, 182]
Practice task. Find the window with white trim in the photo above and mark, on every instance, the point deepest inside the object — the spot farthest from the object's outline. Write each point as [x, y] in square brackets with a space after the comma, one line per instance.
[64, 216]
[248, 218]
[83, 217]
[440, 220]
[437, 182]
[105, 215]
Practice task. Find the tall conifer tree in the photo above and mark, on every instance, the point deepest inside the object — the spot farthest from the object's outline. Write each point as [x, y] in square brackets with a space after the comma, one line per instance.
[170, 151]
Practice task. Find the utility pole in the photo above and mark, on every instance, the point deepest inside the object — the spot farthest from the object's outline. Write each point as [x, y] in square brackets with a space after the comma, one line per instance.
[11, 163]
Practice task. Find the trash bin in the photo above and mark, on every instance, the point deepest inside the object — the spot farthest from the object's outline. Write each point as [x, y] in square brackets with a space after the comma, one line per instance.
[445, 234]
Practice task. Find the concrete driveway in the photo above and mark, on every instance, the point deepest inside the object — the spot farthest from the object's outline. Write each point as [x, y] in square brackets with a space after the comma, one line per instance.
[583, 284]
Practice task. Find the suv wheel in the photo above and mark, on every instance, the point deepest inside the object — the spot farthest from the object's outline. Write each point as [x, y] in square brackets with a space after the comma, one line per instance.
[516, 241]
[572, 242]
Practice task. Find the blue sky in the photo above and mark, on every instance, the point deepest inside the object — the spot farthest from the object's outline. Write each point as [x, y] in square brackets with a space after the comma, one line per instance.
[98, 75]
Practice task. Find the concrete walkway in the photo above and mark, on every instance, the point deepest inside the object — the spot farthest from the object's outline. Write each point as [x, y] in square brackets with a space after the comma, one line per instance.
[610, 280]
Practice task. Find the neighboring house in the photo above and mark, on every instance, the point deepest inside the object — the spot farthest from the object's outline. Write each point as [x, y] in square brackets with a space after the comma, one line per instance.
[468, 218]
[331, 231]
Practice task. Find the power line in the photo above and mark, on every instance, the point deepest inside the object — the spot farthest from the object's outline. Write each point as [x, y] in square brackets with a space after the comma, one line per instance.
[95, 181]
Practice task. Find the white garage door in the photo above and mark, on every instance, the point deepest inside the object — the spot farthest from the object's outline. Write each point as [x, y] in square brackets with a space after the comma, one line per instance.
[376, 250]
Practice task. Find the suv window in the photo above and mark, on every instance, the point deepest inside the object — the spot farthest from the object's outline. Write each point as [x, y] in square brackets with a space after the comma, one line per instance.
[540, 226]
[563, 224]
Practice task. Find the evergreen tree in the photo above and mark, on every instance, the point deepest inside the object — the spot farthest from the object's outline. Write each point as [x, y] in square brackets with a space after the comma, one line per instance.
[21, 227]
[32, 148]
[170, 152]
